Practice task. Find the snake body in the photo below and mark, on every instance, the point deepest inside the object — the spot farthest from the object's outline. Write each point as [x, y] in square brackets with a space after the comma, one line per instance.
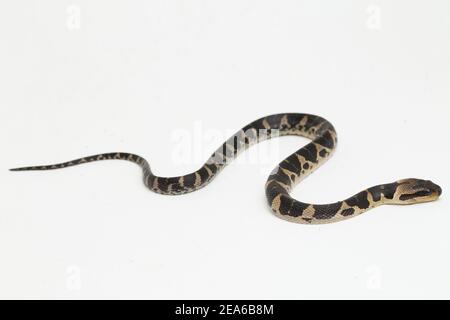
[285, 176]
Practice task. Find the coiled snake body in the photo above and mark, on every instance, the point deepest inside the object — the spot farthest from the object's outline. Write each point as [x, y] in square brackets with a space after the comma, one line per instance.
[285, 176]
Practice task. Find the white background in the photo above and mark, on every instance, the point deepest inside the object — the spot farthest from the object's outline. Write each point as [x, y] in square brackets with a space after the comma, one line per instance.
[85, 77]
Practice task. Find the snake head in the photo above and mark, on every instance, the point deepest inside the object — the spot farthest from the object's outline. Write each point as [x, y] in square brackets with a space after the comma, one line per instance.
[411, 191]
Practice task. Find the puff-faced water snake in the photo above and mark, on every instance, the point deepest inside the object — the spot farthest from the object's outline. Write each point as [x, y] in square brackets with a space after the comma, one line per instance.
[285, 176]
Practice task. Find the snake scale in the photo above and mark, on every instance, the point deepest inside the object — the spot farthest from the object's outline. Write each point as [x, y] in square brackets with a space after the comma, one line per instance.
[285, 176]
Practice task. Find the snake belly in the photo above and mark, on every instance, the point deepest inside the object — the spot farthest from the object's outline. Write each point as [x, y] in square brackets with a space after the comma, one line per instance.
[285, 176]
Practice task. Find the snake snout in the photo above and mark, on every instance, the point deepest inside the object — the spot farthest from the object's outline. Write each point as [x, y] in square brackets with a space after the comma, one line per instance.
[439, 190]
[432, 188]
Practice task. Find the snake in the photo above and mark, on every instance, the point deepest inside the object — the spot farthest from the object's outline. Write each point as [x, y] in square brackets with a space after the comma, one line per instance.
[285, 176]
